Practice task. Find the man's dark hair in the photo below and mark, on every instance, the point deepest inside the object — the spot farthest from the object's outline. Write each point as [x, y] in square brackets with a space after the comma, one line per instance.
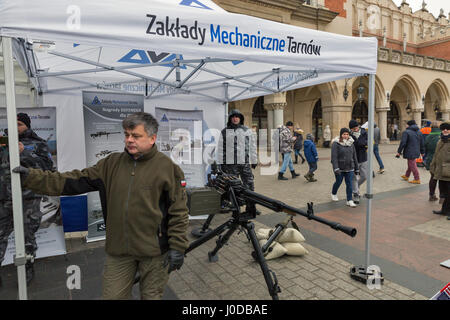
[146, 119]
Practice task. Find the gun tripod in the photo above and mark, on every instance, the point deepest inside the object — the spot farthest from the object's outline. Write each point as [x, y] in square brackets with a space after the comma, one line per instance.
[240, 220]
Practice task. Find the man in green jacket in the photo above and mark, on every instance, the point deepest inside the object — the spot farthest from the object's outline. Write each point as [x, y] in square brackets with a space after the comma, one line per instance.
[143, 199]
[440, 168]
[430, 146]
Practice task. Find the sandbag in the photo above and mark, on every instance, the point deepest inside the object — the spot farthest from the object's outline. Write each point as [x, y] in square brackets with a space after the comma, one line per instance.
[262, 234]
[294, 248]
[275, 250]
[290, 235]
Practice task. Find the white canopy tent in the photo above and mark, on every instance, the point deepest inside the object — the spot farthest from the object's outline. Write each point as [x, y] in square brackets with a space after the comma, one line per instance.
[185, 49]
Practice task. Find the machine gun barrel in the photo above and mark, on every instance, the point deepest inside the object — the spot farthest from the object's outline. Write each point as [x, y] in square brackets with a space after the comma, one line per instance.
[279, 206]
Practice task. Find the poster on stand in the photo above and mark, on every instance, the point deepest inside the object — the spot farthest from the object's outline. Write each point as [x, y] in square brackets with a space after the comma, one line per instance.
[103, 113]
[50, 235]
[180, 137]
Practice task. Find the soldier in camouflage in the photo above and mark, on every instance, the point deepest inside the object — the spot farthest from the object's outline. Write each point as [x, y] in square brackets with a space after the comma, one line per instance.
[237, 150]
[34, 153]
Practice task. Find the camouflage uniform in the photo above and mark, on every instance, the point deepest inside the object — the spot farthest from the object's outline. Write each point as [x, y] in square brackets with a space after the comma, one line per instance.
[34, 155]
[237, 156]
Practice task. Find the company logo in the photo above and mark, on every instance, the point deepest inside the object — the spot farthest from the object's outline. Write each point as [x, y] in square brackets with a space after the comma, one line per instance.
[164, 118]
[194, 4]
[148, 57]
[96, 101]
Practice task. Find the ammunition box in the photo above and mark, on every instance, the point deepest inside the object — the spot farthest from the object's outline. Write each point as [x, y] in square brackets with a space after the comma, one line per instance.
[203, 201]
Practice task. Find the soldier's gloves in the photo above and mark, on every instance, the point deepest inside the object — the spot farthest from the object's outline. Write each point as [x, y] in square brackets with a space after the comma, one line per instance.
[254, 165]
[174, 259]
[22, 170]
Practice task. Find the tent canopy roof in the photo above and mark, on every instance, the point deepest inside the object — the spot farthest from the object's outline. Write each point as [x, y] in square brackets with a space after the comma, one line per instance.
[166, 47]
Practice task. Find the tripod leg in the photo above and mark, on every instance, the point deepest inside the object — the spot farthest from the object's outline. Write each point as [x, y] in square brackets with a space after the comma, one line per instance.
[208, 236]
[272, 283]
[221, 242]
[198, 232]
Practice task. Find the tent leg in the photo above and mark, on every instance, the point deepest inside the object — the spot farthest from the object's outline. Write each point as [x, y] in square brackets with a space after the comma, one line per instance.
[370, 275]
[20, 258]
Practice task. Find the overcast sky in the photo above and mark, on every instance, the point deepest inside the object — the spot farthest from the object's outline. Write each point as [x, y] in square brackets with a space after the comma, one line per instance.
[433, 6]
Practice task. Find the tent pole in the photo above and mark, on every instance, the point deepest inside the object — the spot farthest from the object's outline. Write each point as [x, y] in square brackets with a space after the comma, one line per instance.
[369, 193]
[20, 258]
[369, 274]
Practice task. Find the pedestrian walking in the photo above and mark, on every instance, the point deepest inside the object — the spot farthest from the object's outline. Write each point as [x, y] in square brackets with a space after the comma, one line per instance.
[431, 142]
[440, 168]
[298, 145]
[286, 141]
[412, 147]
[326, 136]
[360, 139]
[311, 156]
[345, 164]
[376, 150]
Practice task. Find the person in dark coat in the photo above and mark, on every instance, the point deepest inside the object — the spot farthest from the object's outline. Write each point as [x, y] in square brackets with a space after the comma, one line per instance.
[431, 142]
[345, 164]
[33, 153]
[360, 141]
[311, 156]
[237, 151]
[412, 147]
[298, 145]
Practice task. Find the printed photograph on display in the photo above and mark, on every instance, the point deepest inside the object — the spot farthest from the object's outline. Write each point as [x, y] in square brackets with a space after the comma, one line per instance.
[180, 136]
[103, 113]
[50, 235]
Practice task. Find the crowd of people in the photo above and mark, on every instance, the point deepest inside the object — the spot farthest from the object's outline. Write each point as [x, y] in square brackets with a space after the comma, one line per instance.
[349, 157]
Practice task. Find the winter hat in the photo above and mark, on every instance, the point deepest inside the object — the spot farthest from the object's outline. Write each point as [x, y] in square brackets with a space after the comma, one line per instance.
[23, 117]
[309, 136]
[445, 125]
[411, 122]
[289, 124]
[352, 124]
[343, 130]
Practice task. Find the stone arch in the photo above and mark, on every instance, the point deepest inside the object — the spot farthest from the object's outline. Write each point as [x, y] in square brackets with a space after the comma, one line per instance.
[407, 82]
[436, 100]
[406, 95]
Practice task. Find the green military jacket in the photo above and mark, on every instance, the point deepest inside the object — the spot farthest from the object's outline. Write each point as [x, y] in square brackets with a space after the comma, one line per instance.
[143, 200]
[440, 166]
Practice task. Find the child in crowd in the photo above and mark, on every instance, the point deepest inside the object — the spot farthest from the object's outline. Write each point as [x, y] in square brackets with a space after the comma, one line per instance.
[311, 156]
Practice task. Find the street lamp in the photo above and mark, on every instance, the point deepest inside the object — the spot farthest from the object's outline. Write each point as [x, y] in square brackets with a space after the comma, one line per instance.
[360, 91]
[408, 107]
[345, 93]
[436, 107]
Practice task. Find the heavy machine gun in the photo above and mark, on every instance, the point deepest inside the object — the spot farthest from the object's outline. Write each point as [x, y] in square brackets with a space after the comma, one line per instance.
[233, 194]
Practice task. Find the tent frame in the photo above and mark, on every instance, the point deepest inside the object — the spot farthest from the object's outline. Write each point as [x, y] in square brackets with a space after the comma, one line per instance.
[179, 88]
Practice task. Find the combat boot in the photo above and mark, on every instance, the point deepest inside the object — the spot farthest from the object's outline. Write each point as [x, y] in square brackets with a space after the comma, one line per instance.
[307, 175]
[280, 176]
[29, 268]
[311, 178]
[294, 175]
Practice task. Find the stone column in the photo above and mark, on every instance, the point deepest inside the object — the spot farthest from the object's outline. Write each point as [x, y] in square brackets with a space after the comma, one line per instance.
[278, 114]
[382, 122]
[417, 116]
[277, 103]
